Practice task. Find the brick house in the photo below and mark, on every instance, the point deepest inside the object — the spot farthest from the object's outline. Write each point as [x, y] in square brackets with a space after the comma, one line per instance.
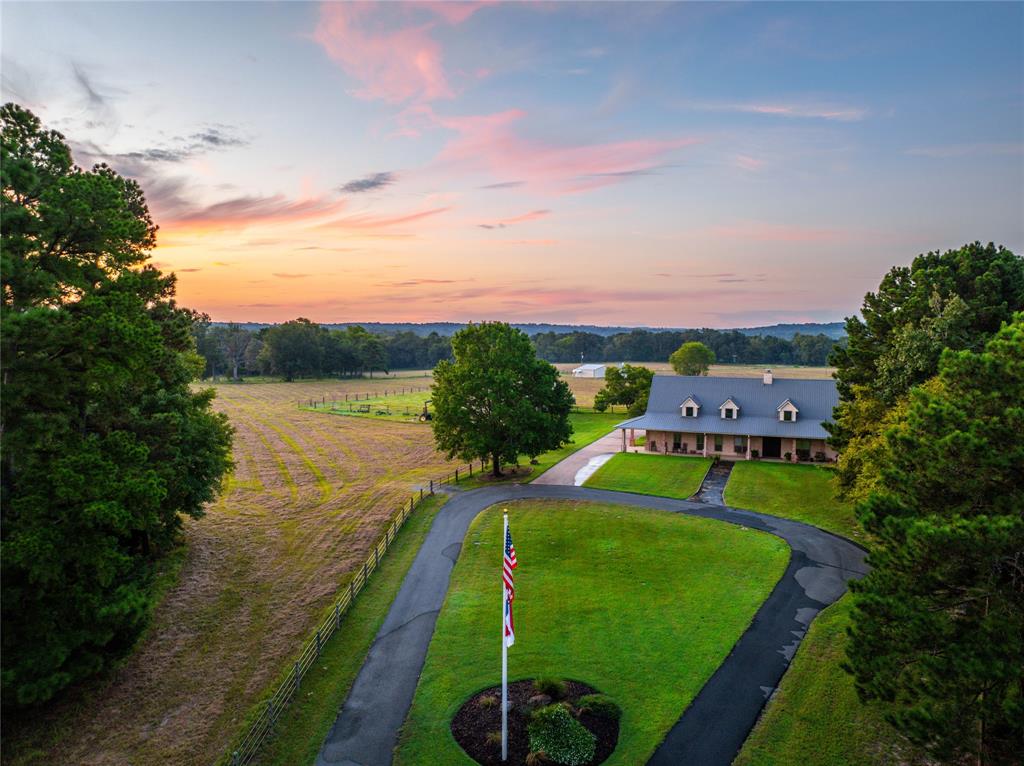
[736, 418]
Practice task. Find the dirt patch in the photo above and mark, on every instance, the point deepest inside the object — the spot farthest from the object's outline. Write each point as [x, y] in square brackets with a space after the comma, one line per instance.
[480, 717]
[507, 474]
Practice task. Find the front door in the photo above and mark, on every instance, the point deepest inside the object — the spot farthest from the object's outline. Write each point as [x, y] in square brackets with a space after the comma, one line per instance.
[771, 446]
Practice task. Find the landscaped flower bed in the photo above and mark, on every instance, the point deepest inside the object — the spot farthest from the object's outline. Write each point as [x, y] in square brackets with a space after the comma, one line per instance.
[571, 717]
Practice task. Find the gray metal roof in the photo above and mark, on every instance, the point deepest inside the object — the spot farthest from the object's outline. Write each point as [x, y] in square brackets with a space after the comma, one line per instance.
[758, 406]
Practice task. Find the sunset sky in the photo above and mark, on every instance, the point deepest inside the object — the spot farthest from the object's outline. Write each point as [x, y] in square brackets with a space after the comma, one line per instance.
[640, 164]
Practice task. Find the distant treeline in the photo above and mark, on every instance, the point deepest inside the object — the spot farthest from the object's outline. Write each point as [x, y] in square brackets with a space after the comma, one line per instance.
[730, 346]
[304, 349]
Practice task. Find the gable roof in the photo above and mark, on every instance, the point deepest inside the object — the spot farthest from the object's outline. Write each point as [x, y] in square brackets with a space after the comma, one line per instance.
[759, 415]
[590, 366]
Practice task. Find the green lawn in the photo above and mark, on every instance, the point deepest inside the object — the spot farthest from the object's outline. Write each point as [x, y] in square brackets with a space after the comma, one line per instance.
[665, 475]
[587, 427]
[644, 605]
[815, 718]
[303, 726]
[801, 492]
[402, 408]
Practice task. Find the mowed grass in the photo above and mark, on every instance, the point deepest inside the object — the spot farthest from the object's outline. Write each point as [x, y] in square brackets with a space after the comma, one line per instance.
[802, 492]
[308, 498]
[815, 718]
[399, 407]
[665, 475]
[302, 728]
[587, 427]
[644, 605]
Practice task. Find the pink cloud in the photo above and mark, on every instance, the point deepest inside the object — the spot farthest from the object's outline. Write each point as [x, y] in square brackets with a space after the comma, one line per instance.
[745, 162]
[368, 221]
[248, 211]
[490, 143]
[389, 48]
[533, 215]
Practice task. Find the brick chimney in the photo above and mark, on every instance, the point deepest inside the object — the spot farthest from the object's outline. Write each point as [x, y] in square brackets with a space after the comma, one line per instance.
[767, 378]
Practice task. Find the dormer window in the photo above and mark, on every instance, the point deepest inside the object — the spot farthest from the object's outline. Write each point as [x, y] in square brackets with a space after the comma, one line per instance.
[787, 411]
[689, 408]
[729, 410]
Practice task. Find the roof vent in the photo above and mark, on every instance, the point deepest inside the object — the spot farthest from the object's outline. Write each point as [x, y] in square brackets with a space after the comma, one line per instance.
[768, 377]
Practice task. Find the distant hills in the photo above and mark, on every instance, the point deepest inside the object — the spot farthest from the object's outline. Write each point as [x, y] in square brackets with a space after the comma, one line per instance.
[833, 330]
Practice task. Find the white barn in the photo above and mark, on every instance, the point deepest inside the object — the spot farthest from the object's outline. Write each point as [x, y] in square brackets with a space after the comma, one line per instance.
[589, 371]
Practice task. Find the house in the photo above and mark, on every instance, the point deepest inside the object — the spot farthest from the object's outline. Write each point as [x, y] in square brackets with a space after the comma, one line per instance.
[736, 418]
[589, 371]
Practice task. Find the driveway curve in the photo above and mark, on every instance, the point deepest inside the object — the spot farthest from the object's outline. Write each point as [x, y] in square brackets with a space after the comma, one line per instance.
[712, 728]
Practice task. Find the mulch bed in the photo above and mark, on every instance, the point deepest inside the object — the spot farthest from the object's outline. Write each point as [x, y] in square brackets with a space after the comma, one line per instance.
[474, 721]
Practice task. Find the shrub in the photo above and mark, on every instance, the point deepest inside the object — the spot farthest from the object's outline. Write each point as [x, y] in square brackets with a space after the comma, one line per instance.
[493, 738]
[536, 758]
[561, 737]
[600, 705]
[755, 454]
[819, 457]
[488, 701]
[553, 687]
[788, 456]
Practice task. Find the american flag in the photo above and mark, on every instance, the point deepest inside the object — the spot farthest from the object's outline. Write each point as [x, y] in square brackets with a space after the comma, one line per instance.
[508, 564]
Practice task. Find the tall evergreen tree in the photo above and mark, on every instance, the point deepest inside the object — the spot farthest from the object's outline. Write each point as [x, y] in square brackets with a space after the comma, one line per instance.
[939, 621]
[957, 299]
[104, 445]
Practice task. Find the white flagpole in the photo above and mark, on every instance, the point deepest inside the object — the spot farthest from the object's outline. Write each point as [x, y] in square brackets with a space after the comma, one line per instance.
[504, 650]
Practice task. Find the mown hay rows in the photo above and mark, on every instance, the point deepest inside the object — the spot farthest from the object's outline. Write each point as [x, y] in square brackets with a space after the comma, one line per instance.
[310, 494]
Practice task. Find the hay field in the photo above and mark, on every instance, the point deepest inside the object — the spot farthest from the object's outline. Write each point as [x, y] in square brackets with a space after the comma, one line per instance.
[308, 497]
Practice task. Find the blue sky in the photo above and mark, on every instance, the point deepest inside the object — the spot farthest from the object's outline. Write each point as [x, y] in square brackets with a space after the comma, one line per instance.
[713, 164]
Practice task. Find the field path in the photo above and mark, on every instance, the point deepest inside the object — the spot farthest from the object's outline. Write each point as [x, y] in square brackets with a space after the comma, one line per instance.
[709, 732]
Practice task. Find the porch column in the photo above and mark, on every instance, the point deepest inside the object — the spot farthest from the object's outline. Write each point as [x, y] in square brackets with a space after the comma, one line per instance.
[623, 439]
[705, 445]
[748, 446]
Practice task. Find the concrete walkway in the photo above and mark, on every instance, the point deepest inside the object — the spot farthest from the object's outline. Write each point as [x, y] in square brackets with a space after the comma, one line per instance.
[712, 489]
[709, 732]
[564, 472]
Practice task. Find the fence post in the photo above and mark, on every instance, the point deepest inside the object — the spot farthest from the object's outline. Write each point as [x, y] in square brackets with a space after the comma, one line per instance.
[431, 486]
[298, 676]
[365, 574]
[337, 616]
[318, 642]
[236, 759]
[376, 557]
[351, 590]
[421, 494]
[270, 712]
[456, 475]
[410, 505]
[471, 469]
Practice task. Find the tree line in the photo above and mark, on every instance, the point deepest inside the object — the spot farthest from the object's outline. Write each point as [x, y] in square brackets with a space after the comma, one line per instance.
[302, 349]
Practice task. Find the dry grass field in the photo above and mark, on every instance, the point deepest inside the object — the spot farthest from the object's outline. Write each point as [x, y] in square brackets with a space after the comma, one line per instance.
[586, 388]
[308, 497]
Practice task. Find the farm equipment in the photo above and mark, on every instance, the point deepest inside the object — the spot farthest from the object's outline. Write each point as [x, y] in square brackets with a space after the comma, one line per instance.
[426, 414]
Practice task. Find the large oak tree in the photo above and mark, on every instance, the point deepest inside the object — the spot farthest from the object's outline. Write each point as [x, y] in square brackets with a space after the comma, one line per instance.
[496, 400]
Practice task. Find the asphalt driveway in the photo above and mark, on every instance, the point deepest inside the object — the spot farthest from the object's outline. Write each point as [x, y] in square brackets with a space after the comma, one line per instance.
[709, 732]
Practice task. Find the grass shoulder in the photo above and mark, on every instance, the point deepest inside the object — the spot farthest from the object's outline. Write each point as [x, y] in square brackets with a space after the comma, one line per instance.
[664, 475]
[815, 717]
[304, 725]
[616, 627]
[801, 492]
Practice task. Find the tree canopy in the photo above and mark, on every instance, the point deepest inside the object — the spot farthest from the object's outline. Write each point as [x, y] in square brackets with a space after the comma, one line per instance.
[957, 299]
[692, 358]
[939, 620]
[629, 385]
[495, 400]
[104, 444]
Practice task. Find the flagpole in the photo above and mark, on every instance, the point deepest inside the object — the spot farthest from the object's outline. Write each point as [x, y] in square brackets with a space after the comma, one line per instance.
[504, 652]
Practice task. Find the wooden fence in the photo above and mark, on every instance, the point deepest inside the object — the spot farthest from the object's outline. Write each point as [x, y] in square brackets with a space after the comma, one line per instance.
[262, 726]
[326, 399]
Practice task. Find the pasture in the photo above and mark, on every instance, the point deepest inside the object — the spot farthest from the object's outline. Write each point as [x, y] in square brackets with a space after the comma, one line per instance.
[616, 626]
[307, 499]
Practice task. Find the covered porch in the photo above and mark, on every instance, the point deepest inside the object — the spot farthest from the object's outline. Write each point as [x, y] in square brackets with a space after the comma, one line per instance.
[727, 446]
